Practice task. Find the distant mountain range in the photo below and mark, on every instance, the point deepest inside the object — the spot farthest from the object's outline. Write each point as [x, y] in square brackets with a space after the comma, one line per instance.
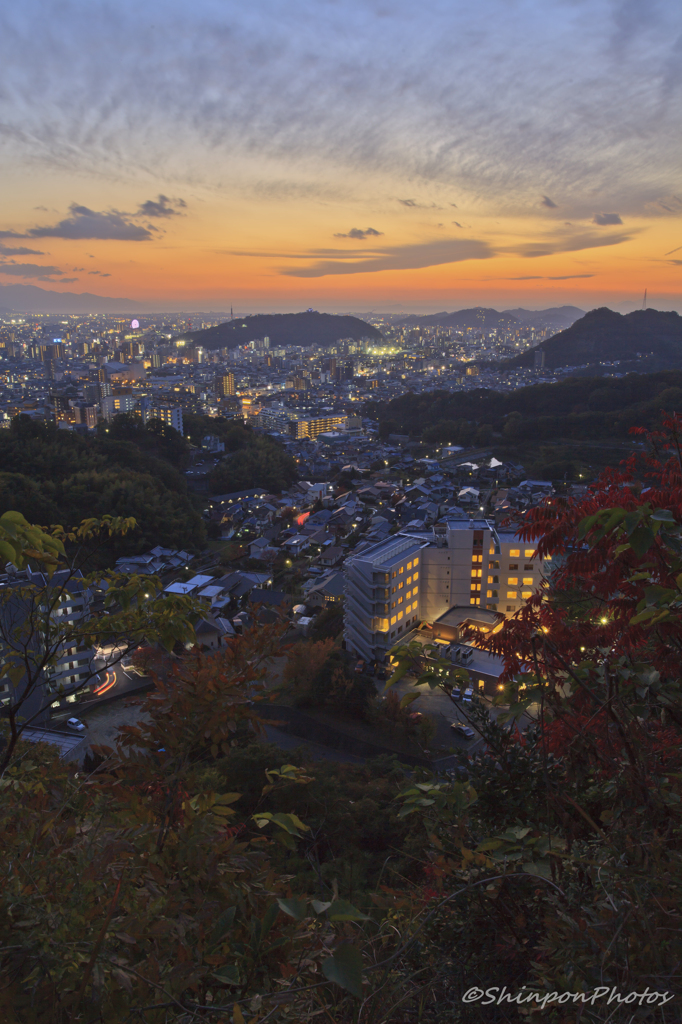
[650, 338]
[307, 328]
[557, 317]
[28, 298]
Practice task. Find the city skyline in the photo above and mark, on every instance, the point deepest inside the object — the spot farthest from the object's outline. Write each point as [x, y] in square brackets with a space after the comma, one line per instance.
[344, 156]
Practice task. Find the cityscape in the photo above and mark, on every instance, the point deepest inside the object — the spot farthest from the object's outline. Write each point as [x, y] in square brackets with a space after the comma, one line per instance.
[340, 513]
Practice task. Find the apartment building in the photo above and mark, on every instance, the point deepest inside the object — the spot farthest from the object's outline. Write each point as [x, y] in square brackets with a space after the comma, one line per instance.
[314, 427]
[418, 576]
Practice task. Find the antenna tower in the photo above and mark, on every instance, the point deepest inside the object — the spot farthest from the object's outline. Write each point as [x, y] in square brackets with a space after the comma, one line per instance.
[644, 302]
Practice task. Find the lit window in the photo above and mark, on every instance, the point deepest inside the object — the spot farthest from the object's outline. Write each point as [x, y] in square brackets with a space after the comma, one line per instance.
[490, 579]
[513, 581]
[515, 553]
[489, 593]
[511, 595]
[415, 563]
[492, 549]
[401, 585]
[409, 565]
[525, 594]
[529, 552]
[401, 569]
[400, 600]
[393, 575]
[415, 591]
[393, 620]
[415, 576]
[528, 581]
[473, 600]
[400, 617]
[408, 595]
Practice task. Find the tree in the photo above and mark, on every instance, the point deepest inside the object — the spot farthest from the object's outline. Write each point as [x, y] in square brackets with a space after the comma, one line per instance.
[572, 827]
[45, 616]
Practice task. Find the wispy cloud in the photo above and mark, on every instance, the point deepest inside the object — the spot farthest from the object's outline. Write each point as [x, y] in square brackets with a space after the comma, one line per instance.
[29, 270]
[162, 206]
[361, 233]
[405, 257]
[541, 277]
[607, 218]
[85, 223]
[6, 250]
[546, 201]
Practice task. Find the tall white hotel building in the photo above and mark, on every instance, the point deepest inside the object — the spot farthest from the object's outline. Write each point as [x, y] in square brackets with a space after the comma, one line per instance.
[417, 576]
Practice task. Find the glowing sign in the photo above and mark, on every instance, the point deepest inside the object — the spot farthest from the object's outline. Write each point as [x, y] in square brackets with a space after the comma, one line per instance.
[302, 518]
[134, 324]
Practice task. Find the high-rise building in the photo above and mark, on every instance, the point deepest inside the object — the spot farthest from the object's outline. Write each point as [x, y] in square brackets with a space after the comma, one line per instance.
[459, 563]
[225, 386]
[315, 427]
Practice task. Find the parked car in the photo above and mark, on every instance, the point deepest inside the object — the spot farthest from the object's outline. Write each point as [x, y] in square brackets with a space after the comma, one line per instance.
[75, 724]
[463, 730]
[456, 693]
[468, 694]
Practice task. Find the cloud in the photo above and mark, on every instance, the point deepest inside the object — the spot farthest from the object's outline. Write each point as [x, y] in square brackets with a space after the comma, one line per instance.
[546, 201]
[62, 280]
[607, 218]
[85, 223]
[405, 257]
[361, 233]
[672, 251]
[162, 206]
[566, 242]
[98, 272]
[29, 270]
[540, 277]
[457, 224]
[6, 250]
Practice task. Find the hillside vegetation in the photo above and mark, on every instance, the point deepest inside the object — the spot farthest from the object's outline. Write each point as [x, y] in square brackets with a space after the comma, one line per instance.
[307, 328]
[581, 408]
[604, 336]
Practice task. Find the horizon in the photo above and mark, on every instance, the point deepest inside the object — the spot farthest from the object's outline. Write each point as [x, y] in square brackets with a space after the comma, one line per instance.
[343, 156]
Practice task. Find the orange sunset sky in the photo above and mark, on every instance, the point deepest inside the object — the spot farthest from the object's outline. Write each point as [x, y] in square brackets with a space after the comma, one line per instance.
[343, 155]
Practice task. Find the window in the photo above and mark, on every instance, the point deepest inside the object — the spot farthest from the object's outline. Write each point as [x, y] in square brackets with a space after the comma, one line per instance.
[415, 591]
[512, 581]
[401, 585]
[400, 600]
[408, 581]
[481, 683]
[393, 620]
[489, 593]
[511, 595]
[409, 565]
[473, 600]
[401, 569]
[514, 553]
[514, 567]
[475, 573]
[382, 625]
[525, 594]
[393, 590]
[529, 552]
[528, 581]
[408, 595]
[492, 549]
[510, 607]
[490, 579]
[393, 575]
[415, 576]
[400, 617]
[415, 562]
[392, 604]
[529, 568]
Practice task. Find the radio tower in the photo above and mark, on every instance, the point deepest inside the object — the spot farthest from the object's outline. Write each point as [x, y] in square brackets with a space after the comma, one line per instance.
[644, 302]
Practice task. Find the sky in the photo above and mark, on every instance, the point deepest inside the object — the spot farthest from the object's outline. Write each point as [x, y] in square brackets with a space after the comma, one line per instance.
[344, 154]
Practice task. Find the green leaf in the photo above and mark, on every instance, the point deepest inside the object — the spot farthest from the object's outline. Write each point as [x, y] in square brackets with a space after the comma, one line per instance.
[294, 908]
[345, 969]
[408, 699]
[342, 911]
[269, 919]
[538, 867]
[228, 975]
[319, 907]
[223, 925]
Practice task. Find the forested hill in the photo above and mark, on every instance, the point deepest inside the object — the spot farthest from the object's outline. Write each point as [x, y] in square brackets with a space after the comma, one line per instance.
[604, 336]
[308, 328]
[580, 408]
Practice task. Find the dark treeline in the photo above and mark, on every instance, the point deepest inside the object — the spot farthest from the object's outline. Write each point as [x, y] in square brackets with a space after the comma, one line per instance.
[577, 408]
[127, 469]
[251, 460]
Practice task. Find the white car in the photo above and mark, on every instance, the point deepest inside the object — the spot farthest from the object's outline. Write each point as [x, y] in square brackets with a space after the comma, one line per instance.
[463, 730]
[75, 724]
